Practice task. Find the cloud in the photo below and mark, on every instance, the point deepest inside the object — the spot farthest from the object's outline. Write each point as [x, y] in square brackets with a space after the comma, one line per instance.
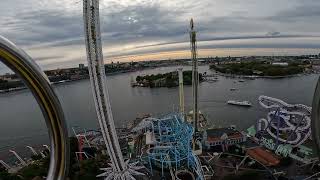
[305, 10]
[47, 28]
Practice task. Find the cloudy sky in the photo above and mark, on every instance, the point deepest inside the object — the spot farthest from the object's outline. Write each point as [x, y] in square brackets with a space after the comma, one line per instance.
[51, 31]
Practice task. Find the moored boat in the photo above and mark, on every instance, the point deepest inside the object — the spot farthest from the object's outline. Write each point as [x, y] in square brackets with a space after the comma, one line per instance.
[239, 103]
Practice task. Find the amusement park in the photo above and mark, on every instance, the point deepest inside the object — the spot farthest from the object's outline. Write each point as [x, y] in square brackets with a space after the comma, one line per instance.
[182, 144]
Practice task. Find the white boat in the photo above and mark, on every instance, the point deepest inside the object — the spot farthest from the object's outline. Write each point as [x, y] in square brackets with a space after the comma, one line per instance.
[239, 103]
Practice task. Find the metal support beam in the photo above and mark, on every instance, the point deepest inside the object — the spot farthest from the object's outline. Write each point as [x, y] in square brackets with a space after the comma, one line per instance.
[5, 165]
[195, 75]
[32, 150]
[47, 147]
[315, 117]
[18, 157]
[181, 92]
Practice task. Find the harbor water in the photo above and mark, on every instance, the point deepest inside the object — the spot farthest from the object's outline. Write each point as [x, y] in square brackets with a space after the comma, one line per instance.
[22, 122]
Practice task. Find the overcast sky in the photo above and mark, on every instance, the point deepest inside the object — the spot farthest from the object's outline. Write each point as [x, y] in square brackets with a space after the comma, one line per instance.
[51, 31]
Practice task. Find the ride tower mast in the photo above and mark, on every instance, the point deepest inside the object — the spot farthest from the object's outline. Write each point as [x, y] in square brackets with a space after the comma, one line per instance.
[195, 74]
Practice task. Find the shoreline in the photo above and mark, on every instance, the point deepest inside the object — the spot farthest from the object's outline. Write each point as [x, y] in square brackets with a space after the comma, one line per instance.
[17, 89]
[260, 77]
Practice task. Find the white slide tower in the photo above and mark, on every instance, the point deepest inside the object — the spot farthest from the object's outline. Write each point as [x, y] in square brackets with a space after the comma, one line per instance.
[119, 169]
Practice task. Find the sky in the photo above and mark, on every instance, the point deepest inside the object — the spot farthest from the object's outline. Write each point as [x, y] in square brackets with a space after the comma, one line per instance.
[51, 31]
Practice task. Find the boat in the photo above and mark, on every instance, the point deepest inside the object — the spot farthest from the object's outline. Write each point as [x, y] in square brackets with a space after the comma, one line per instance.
[233, 89]
[241, 80]
[134, 84]
[239, 103]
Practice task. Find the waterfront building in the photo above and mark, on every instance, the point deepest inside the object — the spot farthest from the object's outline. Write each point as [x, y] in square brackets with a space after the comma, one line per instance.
[222, 137]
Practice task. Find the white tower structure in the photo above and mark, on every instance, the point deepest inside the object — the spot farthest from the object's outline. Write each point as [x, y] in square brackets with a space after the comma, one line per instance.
[18, 157]
[119, 169]
[32, 150]
[181, 93]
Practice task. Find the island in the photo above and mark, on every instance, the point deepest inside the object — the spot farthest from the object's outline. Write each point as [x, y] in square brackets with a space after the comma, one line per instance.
[278, 69]
[170, 79]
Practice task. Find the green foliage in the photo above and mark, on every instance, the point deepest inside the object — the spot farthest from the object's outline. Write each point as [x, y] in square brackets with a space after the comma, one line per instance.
[248, 68]
[74, 147]
[88, 170]
[4, 175]
[38, 168]
[3, 81]
[8, 85]
[169, 79]
[139, 78]
[33, 170]
[36, 157]
[89, 166]
[85, 170]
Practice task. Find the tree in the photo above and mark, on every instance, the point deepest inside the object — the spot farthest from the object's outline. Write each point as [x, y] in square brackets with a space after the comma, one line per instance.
[33, 170]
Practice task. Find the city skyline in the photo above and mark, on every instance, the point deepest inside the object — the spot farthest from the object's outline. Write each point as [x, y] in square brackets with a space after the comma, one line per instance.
[52, 31]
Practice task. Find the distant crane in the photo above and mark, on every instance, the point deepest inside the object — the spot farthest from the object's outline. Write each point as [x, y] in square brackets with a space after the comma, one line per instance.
[119, 169]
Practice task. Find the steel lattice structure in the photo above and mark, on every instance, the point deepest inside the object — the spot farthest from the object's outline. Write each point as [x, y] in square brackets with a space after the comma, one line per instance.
[119, 168]
[195, 75]
[172, 146]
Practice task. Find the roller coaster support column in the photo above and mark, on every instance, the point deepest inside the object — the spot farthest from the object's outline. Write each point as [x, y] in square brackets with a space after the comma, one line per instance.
[32, 150]
[5, 165]
[18, 157]
[181, 93]
[315, 121]
[195, 75]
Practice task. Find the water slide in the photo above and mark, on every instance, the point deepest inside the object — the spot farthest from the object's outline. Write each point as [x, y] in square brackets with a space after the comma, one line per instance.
[293, 121]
